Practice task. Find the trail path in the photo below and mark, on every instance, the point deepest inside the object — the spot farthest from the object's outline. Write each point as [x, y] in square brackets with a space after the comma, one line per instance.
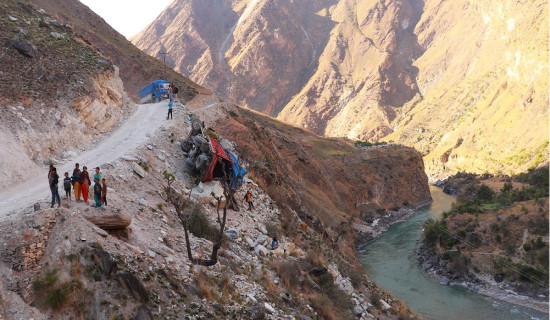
[132, 133]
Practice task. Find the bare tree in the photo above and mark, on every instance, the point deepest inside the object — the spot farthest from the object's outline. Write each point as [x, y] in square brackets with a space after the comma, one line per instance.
[183, 207]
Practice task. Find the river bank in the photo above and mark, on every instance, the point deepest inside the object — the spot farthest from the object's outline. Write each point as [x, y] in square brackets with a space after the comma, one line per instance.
[368, 232]
[391, 262]
[511, 292]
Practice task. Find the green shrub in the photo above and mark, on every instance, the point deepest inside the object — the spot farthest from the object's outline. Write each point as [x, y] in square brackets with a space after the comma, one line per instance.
[56, 298]
[289, 271]
[538, 225]
[485, 194]
[200, 226]
[542, 257]
[47, 281]
[272, 229]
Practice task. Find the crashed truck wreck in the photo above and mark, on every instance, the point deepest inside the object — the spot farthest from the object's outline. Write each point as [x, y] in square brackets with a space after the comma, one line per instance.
[206, 159]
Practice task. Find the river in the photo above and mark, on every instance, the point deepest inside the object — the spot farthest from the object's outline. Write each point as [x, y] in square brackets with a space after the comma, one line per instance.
[390, 261]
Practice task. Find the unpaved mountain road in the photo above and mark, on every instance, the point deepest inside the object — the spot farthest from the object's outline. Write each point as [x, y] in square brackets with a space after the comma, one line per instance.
[132, 133]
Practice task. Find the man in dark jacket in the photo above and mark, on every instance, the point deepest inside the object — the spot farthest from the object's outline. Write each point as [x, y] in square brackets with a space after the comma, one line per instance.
[53, 180]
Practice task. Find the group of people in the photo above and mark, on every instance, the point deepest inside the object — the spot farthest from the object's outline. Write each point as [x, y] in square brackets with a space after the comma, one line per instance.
[80, 182]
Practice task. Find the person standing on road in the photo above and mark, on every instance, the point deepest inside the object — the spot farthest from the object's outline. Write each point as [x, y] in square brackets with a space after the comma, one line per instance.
[67, 186]
[104, 192]
[97, 175]
[53, 179]
[175, 90]
[85, 183]
[97, 193]
[170, 105]
[76, 182]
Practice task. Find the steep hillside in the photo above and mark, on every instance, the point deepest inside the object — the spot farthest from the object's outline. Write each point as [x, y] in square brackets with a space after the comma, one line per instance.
[298, 168]
[447, 78]
[57, 95]
[485, 106]
[136, 68]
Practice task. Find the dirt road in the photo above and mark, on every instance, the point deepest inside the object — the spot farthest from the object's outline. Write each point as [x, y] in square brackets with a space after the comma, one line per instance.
[134, 132]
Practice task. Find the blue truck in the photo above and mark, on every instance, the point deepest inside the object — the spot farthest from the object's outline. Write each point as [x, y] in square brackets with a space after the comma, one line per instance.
[154, 91]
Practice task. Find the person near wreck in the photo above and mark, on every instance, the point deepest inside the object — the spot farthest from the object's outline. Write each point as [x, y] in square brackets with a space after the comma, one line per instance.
[248, 199]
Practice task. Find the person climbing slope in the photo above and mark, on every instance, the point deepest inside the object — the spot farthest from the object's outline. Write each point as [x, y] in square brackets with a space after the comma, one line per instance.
[248, 199]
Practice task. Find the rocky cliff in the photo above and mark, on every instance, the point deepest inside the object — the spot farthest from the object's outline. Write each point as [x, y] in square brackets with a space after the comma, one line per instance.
[57, 95]
[466, 83]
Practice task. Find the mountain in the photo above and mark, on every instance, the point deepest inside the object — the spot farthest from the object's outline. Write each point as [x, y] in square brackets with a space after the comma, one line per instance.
[465, 83]
[65, 79]
[136, 68]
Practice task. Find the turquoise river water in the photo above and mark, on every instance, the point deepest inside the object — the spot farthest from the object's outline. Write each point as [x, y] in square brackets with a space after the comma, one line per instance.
[390, 261]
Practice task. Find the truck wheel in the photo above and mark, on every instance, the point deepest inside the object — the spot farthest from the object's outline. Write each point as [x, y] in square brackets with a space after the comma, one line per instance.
[199, 141]
[190, 164]
[186, 145]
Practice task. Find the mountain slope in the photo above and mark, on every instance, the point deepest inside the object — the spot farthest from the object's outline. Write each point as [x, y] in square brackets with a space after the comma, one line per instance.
[136, 68]
[485, 105]
[427, 74]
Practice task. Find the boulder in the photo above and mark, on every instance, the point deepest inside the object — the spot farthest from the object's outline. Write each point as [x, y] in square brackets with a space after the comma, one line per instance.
[257, 311]
[269, 308]
[206, 192]
[357, 310]
[138, 169]
[249, 242]
[261, 250]
[104, 260]
[262, 238]
[57, 35]
[132, 284]
[499, 277]
[101, 232]
[110, 221]
[232, 233]
[385, 305]
[142, 202]
[318, 271]
[143, 314]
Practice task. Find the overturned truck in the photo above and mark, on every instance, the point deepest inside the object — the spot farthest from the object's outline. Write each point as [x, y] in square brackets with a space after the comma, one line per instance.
[206, 159]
